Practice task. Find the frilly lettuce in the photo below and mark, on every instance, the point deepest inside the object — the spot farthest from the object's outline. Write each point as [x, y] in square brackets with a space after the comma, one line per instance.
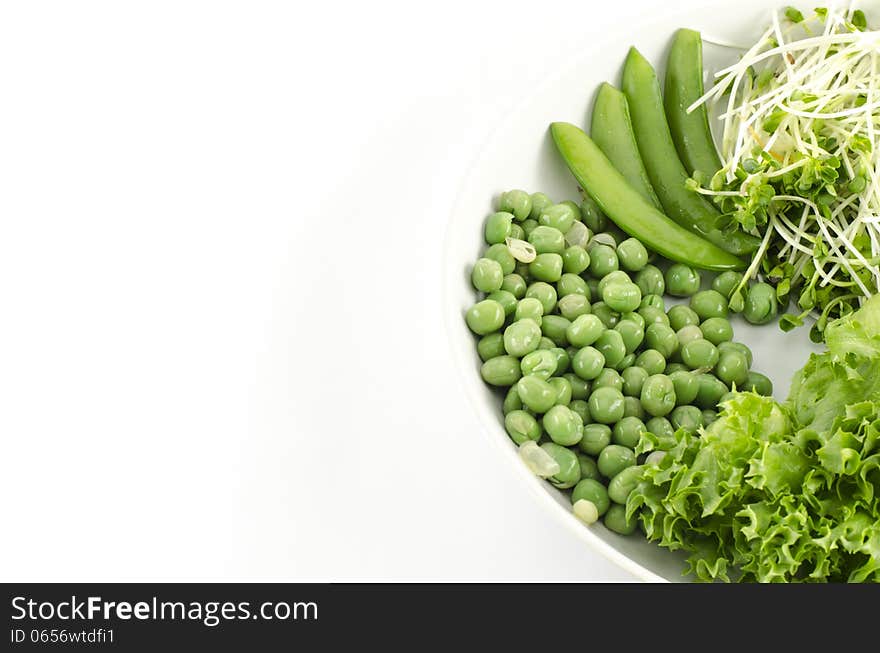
[775, 492]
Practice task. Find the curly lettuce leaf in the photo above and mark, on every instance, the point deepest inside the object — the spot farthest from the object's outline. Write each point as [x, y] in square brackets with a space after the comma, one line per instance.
[775, 492]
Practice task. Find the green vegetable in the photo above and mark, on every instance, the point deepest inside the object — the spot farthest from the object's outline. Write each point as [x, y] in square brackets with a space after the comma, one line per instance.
[682, 280]
[779, 492]
[667, 174]
[684, 86]
[612, 131]
[629, 210]
[516, 202]
[485, 317]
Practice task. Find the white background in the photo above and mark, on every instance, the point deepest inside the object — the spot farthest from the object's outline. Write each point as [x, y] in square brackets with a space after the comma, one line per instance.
[222, 347]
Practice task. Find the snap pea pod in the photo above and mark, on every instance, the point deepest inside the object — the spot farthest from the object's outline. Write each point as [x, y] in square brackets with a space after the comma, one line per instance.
[629, 210]
[684, 86]
[665, 170]
[612, 131]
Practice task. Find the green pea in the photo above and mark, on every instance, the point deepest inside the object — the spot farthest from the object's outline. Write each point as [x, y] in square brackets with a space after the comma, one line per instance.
[528, 226]
[660, 426]
[563, 426]
[653, 301]
[590, 489]
[593, 285]
[595, 438]
[614, 458]
[516, 231]
[759, 384]
[546, 343]
[584, 330]
[517, 202]
[608, 378]
[506, 299]
[606, 314]
[633, 317]
[681, 316]
[736, 346]
[672, 368]
[569, 467]
[582, 409]
[615, 520]
[603, 260]
[631, 333]
[710, 391]
[563, 390]
[580, 389]
[606, 405]
[485, 317]
[592, 215]
[544, 293]
[571, 284]
[653, 315]
[522, 269]
[522, 427]
[708, 304]
[650, 281]
[632, 255]
[726, 282]
[658, 395]
[559, 216]
[501, 254]
[498, 227]
[536, 393]
[588, 363]
[686, 386]
[717, 330]
[623, 483]
[501, 371]
[563, 360]
[632, 407]
[539, 202]
[733, 369]
[487, 275]
[689, 418]
[522, 337]
[622, 297]
[699, 353]
[662, 338]
[618, 276]
[554, 327]
[589, 469]
[546, 267]
[529, 308]
[628, 432]
[540, 363]
[652, 361]
[573, 306]
[514, 284]
[761, 304]
[682, 280]
[688, 334]
[512, 401]
[490, 346]
[610, 344]
[633, 380]
[547, 240]
[709, 416]
[575, 259]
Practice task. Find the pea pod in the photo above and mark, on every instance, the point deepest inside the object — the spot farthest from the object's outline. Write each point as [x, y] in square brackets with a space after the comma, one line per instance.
[629, 210]
[684, 86]
[612, 131]
[665, 170]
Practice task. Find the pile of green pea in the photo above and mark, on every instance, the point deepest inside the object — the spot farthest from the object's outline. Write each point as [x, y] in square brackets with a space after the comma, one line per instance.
[575, 326]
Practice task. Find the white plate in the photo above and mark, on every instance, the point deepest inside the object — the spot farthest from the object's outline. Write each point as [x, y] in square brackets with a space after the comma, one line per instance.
[520, 154]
